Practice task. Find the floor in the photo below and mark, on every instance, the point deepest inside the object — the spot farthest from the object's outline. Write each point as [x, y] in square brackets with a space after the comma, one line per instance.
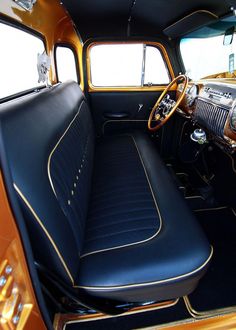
[217, 288]
[137, 321]
[210, 191]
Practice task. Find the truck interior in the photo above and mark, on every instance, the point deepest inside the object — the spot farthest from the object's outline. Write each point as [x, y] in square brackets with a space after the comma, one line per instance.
[117, 164]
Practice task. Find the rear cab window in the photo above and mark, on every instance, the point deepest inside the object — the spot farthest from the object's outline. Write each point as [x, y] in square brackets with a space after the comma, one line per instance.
[136, 65]
[66, 64]
[18, 60]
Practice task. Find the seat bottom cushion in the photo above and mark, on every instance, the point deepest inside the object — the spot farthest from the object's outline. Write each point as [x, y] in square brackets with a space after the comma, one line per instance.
[142, 242]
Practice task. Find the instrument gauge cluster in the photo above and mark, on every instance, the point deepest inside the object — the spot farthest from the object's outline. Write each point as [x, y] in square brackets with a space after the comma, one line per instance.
[192, 95]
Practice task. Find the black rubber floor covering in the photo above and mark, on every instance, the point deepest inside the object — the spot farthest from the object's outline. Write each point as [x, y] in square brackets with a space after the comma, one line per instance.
[136, 321]
[217, 289]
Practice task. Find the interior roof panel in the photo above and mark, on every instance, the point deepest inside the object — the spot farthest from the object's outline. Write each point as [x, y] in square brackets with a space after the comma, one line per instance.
[109, 18]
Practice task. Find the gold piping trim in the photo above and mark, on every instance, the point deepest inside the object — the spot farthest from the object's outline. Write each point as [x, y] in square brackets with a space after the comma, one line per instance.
[192, 197]
[150, 283]
[207, 314]
[122, 315]
[171, 324]
[233, 211]
[212, 209]
[45, 231]
[189, 15]
[121, 120]
[57, 144]
[157, 208]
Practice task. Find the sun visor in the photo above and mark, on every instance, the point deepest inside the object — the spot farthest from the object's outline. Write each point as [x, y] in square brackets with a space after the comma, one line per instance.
[189, 23]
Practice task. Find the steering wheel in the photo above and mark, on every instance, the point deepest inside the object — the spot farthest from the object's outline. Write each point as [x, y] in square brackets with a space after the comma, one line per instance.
[165, 106]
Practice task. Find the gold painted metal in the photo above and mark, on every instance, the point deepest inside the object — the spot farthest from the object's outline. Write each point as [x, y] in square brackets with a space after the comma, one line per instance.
[93, 88]
[221, 322]
[17, 299]
[218, 319]
[202, 315]
[163, 120]
[61, 320]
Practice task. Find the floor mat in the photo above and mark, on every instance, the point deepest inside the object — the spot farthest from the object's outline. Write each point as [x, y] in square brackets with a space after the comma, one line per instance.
[217, 289]
[136, 321]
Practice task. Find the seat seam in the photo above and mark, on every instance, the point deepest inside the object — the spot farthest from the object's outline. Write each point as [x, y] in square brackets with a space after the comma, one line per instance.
[99, 288]
[126, 204]
[156, 205]
[39, 221]
[56, 146]
[121, 222]
[103, 236]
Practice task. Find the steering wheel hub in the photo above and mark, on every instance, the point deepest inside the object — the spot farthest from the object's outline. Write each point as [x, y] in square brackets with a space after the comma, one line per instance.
[165, 106]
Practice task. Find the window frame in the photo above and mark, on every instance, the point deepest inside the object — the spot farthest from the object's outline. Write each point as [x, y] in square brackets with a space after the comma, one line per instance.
[17, 25]
[71, 47]
[145, 87]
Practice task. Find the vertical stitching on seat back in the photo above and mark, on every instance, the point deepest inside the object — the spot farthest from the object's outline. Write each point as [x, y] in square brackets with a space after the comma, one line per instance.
[55, 147]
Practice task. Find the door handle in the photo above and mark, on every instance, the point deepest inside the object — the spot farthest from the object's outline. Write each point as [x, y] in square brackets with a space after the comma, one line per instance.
[115, 115]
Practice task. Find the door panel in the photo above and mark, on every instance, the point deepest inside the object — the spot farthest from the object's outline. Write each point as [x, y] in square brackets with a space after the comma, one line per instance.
[117, 111]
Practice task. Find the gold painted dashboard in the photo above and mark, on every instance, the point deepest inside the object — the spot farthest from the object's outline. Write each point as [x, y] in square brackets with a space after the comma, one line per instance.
[211, 104]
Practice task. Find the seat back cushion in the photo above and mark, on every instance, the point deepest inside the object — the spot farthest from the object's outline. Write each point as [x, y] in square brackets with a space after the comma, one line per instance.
[49, 142]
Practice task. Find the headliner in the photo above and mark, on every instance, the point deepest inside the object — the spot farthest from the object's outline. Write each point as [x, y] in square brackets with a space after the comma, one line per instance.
[109, 18]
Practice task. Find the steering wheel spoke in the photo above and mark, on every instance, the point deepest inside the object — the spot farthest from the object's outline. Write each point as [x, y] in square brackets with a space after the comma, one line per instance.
[165, 106]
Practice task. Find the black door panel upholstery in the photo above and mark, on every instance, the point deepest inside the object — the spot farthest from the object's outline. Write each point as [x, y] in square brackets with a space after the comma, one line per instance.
[136, 104]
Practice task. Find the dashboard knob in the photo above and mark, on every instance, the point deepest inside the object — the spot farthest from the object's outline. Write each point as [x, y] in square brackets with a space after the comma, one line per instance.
[199, 136]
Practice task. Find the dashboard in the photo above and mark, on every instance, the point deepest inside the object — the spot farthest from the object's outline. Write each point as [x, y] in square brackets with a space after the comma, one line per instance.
[211, 104]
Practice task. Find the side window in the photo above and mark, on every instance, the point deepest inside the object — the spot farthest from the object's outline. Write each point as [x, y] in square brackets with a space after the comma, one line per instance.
[18, 60]
[66, 64]
[127, 65]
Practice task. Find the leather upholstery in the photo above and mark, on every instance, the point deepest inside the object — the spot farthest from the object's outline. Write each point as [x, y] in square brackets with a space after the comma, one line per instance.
[111, 223]
[70, 169]
[122, 210]
[31, 127]
[166, 239]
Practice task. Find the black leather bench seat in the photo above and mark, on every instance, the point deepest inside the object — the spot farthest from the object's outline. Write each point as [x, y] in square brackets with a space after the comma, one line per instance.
[137, 216]
[122, 210]
[110, 222]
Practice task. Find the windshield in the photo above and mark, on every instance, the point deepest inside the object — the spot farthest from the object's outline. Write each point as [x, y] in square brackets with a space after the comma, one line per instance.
[203, 57]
